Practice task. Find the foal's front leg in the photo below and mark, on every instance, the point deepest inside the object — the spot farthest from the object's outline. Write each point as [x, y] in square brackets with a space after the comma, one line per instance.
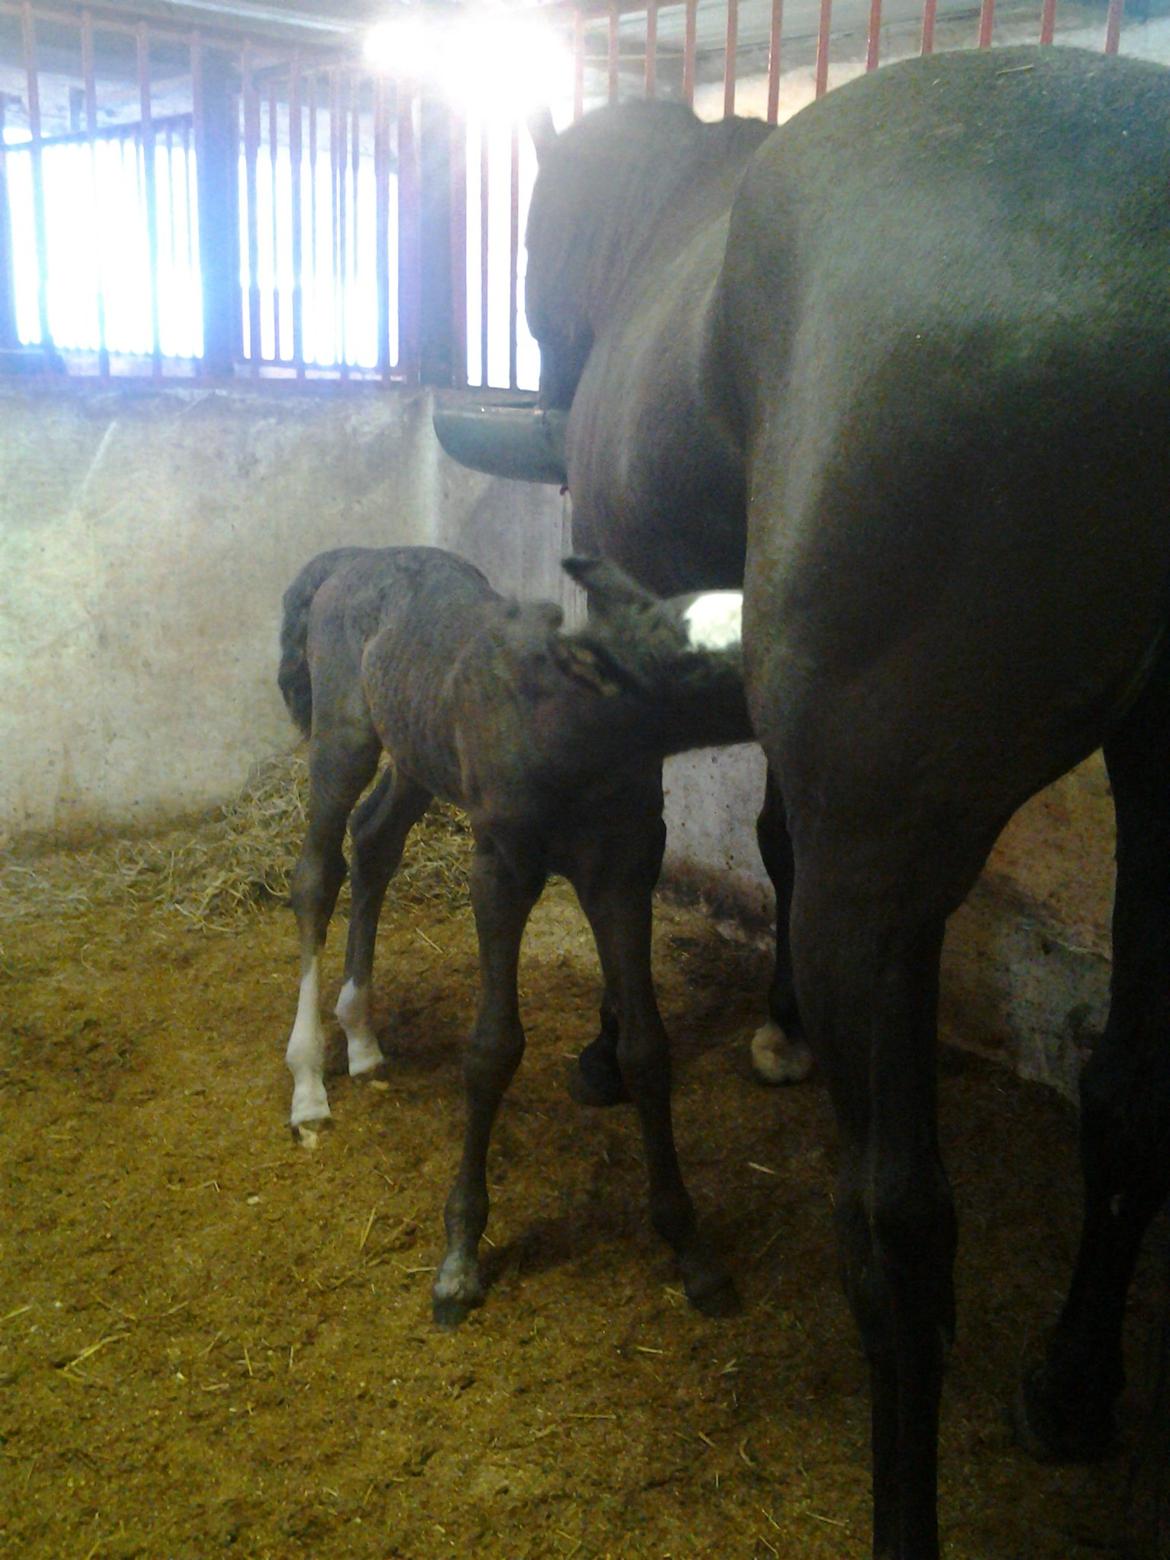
[502, 902]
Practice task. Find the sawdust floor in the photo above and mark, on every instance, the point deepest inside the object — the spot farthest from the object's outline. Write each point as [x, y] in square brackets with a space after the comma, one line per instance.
[213, 1340]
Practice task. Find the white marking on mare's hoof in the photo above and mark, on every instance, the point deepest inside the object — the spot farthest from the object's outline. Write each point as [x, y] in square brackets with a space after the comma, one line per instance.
[353, 1014]
[776, 1058]
[715, 620]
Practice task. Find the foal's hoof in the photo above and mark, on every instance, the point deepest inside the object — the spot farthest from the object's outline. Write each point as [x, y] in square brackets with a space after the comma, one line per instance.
[457, 1292]
[306, 1133]
[596, 1079]
[451, 1312]
[1054, 1425]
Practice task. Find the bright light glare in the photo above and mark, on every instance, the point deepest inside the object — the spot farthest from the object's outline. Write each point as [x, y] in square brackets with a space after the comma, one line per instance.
[494, 65]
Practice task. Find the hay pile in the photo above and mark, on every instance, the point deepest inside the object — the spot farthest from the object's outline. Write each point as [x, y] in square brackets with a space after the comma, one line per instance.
[230, 864]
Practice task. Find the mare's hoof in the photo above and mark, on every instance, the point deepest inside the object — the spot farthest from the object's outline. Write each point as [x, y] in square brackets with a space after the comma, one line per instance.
[595, 1077]
[779, 1058]
[1056, 1426]
[713, 1293]
[306, 1133]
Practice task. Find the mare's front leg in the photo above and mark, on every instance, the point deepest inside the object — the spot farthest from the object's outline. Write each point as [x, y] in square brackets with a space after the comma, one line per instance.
[780, 1053]
[339, 770]
[378, 829]
[614, 873]
[502, 899]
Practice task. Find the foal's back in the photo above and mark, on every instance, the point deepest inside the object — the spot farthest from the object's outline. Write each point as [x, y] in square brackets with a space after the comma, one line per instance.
[386, 629]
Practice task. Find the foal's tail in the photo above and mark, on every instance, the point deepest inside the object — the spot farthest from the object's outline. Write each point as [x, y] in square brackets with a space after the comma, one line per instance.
[293, 677]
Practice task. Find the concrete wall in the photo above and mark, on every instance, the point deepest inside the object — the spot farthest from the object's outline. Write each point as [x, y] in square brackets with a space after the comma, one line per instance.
[146, 538]
[145, 541]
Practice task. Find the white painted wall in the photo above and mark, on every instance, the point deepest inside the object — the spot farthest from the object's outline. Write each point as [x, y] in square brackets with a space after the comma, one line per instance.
[145, 541]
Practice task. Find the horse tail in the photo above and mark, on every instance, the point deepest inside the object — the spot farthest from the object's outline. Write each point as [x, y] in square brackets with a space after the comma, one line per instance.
[294, 678]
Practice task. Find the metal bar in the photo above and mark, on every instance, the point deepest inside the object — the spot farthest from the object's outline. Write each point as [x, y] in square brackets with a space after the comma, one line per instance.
[355, 203]
[8, 336]
[458, 250]
[342, 82]
[651, 77]
[172, 201]
[730, 44]
[688, 81]
[774, 30]
[354, 200]
[484, 221]
[578, 64]
[272, 169]
[334, 234]
[382, 220]
[89, 78]
[613, 52]
[986, 23]
[123, 132]
[873, 40]
[295, 132]
[1113, 21]
[408, 235]
[126, 19]
[513, 256]
[251, 155]
[151, 192]
[823, 33]
[1048, 21]
[929, 14]
[29, 41]
[314, 273]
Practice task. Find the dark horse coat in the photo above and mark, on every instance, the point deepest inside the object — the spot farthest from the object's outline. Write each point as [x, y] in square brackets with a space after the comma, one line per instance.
[903, 366]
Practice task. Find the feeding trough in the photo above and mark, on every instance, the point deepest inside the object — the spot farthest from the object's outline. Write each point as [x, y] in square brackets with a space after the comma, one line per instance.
[506, 438]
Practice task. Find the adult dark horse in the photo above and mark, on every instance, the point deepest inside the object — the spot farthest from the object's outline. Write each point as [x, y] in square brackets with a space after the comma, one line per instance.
[904, 367]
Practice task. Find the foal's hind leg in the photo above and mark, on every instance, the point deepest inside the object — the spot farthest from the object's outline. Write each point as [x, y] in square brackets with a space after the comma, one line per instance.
[502, 900]
[378, 830]
[614, 876]
[338, 772]
[780, 1053]
[1066, 1407]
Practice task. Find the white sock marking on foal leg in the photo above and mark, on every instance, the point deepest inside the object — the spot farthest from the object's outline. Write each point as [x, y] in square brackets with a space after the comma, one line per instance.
[353, 1014]
[305, 1054]
[715, 620]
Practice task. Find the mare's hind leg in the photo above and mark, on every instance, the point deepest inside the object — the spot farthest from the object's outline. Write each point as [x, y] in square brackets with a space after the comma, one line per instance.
[866, 960]
[1066, 1406]
[614, 874]
[339, 769]
[780, 1053]
[502, 899]
[378, 831]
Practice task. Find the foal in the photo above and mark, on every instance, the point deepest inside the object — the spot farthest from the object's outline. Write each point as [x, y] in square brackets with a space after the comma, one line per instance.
[553, 743]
